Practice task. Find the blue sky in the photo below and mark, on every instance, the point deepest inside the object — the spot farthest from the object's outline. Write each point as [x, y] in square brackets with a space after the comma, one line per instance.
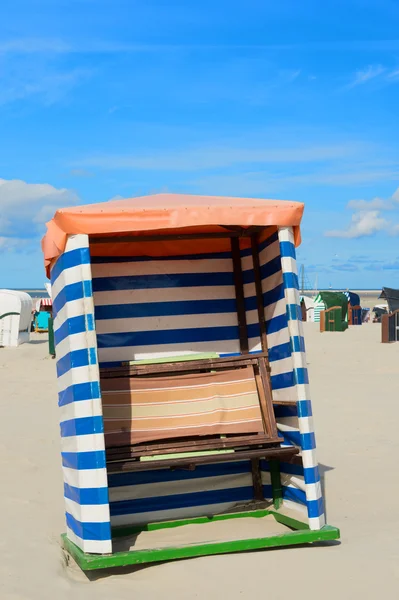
[289, 100]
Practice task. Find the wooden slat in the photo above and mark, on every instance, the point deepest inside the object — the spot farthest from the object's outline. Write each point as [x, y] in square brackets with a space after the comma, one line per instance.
[191, 446]
[265, 376]
[192, 365]
[192, 461]
[240, 300]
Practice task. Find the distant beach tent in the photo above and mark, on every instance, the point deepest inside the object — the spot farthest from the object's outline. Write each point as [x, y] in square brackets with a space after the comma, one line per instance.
[354, 309]
[392, 298]
[309, 308]
[326, 300]
[15, 317]
[43, 314]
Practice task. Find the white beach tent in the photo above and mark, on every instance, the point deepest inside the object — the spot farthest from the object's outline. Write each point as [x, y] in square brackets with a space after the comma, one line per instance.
[309, 305]
[15, 317]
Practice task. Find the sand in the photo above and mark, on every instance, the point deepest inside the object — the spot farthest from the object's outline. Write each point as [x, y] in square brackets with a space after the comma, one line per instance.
[354, 382]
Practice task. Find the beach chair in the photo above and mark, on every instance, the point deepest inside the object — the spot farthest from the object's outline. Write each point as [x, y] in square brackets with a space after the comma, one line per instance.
[182, 378]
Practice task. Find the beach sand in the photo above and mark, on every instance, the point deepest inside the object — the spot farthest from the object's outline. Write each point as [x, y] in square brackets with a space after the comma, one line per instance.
[354, 383]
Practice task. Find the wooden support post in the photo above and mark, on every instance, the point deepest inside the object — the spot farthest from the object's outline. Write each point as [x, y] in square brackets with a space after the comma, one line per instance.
[277, 490]
[257, 479]
[240, 300]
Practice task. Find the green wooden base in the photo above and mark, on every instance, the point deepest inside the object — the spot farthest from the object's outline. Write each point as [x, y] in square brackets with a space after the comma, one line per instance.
[301, 534]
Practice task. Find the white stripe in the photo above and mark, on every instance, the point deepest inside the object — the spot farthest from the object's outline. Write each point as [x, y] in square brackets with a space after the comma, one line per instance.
[79, 409]
[265, 255]
[73, 376]
[285, 234]
[268, 284]
[288, 265]
[285, 395]
[143, 352]
[184, 486]
[293, 481]
[171, 515]
[162, 267]
[87, 513]
[309, 459]
[81, 272]
[316, 523]
[313, 491]
[166, 323]
[75, 308]
[83, 443]
[306, 425]
[281, 366]
[76, 341]
[177, 427]
[90, 546]
[273, 310]
[85, 478]
[221, 292]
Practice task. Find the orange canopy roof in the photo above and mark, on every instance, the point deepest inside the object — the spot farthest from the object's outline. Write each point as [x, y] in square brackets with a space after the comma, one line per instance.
[159, 212]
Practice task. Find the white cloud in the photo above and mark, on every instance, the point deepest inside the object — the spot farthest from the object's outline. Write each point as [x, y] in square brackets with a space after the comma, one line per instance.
[25, 207]
[364, 75]
[368, 219]
[363, 223]
[375, 204]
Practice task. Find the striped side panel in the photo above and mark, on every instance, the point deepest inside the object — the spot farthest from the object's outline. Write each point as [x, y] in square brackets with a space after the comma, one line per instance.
[314, 498]
[318, 307]
[278, 338]
[79, 399]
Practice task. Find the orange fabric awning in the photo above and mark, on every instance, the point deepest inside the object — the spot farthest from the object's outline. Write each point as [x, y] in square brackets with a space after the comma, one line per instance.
[162, 212]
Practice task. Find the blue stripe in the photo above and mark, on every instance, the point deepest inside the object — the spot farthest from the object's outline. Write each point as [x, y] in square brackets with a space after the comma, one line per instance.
[280, 352]
[291, 280]
[70, 327]
[171, 336]
[269, 297]
[89, 531]
[76, 358]
[291, 437]
[82, 426]
[166, 475]
[174, 280]
[276, 324]
[281, 411]
[86, 496]
[262, 245]
[315, 508]
[71, 292]
[301, 376]
[158, 503]
[294, 312]
[287, 249]
[304, 408]
[268, 241]
[308, 441]
[164, 309]
[311, 475]
[295, 495]
[135, 259]
[84, 460]
[79, 392]
[298, 344]
[282, 381]
[73, 258]
[285, 467]
[266, 270]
